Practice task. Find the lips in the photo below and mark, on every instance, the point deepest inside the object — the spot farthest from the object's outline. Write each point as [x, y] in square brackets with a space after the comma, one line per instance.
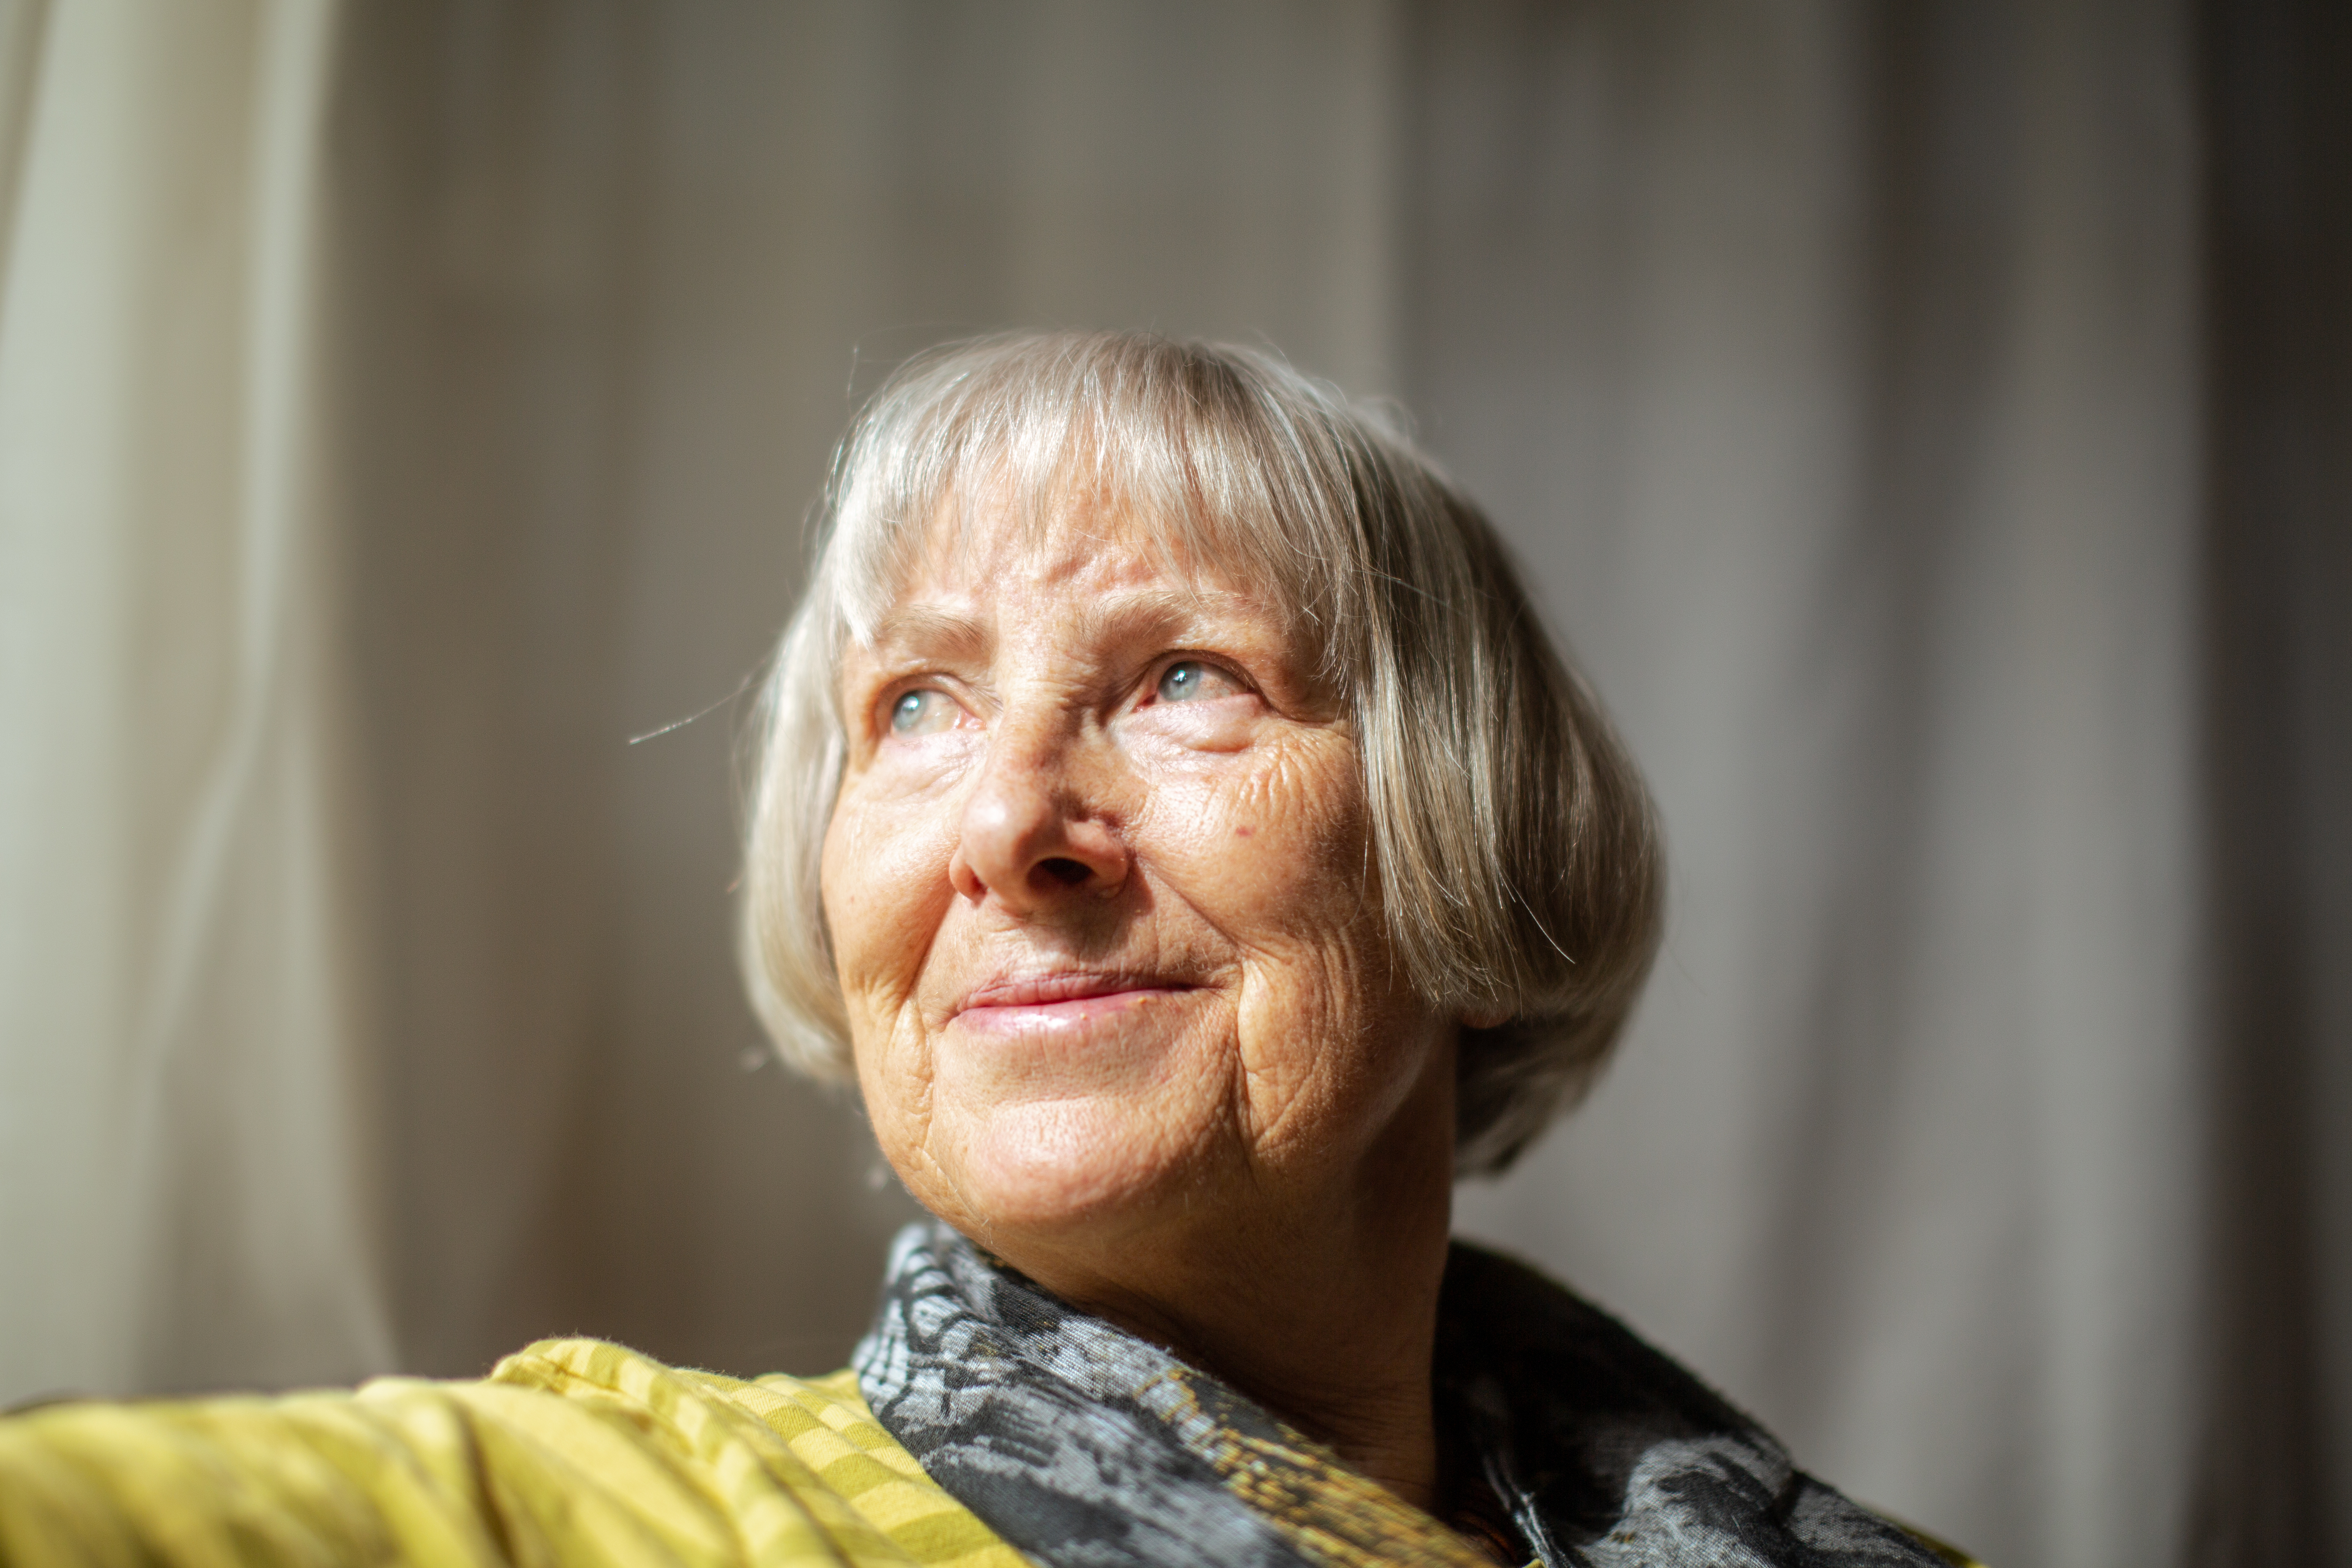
[1066, 1000]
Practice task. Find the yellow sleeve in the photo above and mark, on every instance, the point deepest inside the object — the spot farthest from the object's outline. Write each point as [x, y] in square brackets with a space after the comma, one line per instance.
[311, 1479]
[572, 1453]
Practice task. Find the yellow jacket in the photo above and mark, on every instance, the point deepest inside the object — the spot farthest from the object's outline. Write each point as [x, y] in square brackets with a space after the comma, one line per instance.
[572, 1452]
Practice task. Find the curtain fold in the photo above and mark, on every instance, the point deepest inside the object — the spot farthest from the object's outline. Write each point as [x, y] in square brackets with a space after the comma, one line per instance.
[2274, 1432]
[184, 1180]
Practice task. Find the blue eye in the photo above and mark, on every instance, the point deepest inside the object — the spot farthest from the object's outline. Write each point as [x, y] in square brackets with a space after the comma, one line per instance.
[921, 713]
[1190, 679]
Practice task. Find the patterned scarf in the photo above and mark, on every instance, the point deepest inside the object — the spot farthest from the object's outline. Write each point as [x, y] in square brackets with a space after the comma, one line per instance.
[1086, 1447]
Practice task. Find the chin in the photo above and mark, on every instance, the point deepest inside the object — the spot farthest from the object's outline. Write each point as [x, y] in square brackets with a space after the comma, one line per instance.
[1066, 1169]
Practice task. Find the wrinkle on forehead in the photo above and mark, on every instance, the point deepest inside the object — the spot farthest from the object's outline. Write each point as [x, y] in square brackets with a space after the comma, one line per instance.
[1125, 577]
[1008, 504]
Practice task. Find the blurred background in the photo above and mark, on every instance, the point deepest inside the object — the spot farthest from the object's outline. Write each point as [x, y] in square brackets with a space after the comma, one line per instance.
[1928, 420]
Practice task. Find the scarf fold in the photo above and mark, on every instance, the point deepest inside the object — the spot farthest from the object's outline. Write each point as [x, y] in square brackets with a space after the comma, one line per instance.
[1085, 1445]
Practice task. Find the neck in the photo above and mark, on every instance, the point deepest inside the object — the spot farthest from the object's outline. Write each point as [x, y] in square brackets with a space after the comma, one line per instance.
[1320, 1304]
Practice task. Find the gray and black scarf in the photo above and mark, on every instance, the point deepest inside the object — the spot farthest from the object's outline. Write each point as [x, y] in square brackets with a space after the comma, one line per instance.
[1569, 1441]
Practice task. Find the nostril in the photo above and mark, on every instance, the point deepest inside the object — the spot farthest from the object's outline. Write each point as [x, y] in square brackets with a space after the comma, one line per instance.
[1064, 870]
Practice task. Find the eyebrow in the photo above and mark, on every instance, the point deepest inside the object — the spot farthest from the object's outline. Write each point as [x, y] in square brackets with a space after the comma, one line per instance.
[928, 626]
[1154, 612]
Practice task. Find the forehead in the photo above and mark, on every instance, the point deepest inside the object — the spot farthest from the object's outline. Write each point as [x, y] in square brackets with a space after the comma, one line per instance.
[991, 563]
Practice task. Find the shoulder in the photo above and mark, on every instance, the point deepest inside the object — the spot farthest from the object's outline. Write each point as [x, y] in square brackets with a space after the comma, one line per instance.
[810, 1441]
[572, 1451]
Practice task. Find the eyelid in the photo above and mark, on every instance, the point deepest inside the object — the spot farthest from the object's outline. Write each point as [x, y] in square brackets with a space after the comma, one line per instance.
[1243, 684]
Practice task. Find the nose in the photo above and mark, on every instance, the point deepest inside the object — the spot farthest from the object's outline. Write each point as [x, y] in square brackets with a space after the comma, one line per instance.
[1034, 836]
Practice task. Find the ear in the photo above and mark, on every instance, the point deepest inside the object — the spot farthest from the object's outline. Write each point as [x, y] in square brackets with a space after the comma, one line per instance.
[1487, 1018]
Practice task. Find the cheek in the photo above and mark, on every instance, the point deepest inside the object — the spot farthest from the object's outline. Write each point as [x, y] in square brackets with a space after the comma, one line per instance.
[884, 887]
[1275, 851]
[1279, 858]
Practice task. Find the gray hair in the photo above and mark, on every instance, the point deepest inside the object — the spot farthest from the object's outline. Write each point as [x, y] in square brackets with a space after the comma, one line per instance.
[1516, 854]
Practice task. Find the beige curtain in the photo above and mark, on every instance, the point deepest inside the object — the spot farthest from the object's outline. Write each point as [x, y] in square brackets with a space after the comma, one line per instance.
[184, 1189]
[401, 408]
[1842, 394]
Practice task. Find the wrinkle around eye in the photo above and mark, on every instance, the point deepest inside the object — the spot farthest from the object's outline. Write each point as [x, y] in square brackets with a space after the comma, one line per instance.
[1224, 723]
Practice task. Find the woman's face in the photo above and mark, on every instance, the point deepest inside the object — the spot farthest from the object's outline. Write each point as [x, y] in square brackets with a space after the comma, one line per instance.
[1101, 896]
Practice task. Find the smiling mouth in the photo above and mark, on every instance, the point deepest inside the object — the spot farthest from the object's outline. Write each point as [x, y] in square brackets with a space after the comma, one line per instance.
[1051, 1001]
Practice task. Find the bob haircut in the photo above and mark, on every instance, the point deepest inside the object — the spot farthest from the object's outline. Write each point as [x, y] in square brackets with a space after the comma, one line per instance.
[1513, 841]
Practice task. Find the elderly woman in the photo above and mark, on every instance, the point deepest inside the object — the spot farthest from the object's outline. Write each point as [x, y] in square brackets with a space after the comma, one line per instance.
[1172, 815]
